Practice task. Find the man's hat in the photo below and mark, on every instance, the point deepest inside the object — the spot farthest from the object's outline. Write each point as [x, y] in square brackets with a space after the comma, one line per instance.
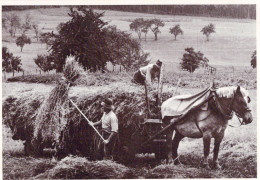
[107, 103]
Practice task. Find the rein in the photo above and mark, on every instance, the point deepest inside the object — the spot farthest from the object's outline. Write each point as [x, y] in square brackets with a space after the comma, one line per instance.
[241, 122]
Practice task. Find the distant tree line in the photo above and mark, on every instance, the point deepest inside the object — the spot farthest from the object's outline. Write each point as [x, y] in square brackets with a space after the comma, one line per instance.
[21, 8]
[230, 11]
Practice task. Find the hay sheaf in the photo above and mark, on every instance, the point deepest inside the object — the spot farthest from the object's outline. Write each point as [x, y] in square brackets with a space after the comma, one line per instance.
[81, 168]
[51, 117]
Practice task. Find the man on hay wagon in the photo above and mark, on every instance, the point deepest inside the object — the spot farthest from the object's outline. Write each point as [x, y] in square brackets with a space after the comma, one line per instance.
[109, 131]
[147, 73]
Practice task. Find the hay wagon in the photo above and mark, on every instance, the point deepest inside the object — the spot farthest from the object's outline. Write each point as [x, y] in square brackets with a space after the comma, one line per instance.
[149, 137]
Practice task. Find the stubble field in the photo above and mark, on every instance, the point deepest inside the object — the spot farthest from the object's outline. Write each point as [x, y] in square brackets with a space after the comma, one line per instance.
[229, 50]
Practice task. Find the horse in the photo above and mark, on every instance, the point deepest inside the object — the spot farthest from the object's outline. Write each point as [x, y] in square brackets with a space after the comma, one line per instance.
[207, 124]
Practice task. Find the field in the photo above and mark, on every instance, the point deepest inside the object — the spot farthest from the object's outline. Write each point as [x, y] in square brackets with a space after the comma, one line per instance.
[229, 50]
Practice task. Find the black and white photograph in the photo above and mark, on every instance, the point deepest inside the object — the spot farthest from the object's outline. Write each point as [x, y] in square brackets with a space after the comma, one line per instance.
[129, 91]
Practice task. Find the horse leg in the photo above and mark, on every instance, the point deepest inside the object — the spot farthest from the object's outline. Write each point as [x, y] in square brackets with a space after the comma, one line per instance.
[206, 143]
[169, 134]
[169, 145]
[175, 144]
[216, 151]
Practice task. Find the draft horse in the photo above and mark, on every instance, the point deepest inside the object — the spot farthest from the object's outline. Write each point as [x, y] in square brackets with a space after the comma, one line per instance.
[209, 123]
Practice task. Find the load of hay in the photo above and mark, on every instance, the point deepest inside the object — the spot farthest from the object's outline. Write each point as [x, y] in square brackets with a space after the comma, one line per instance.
[79, 138]
[51, 117]
[57, 123]
[19, 114]
[81, 168]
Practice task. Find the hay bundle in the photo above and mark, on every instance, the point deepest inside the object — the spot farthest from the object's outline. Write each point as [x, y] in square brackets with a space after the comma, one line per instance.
[52, 115]
[19, 114]
[80, 168]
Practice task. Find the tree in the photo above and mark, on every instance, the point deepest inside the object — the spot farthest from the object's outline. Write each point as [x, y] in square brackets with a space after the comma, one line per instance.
[6, 63]
[145, 27]
[47, 38]
[10, 63]
[128, 52]
[191, 60]
[87, 37]
[155, 24]
[176, 30]
[36, 30]
[84, 38]
[4, 23]
[253, 59]
[14, 24]
[27, 25]
[136, 26]
[44, 62]
[22, 40]
[207, 30]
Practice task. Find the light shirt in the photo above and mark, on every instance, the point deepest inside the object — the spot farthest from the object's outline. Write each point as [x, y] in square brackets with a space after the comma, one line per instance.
[146, 72]
[109, 122]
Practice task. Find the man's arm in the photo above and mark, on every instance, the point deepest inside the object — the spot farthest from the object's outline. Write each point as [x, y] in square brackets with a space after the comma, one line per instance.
[97, 123]
[110, 136]
[148, 77]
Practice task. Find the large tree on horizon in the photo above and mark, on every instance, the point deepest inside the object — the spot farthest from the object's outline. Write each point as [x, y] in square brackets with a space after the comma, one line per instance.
[82, 37]
[87, 37]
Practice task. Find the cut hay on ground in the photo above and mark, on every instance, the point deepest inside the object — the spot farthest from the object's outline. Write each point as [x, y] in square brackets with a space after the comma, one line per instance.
[25, 167]
[81, 168]
[172, 171]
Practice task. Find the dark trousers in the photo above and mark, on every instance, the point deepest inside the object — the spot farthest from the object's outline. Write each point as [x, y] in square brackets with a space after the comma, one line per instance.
[106, 151]
[138, 78]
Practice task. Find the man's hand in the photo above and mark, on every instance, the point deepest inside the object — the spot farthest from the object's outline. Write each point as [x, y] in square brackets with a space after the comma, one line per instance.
[106, 141]
[91, 123]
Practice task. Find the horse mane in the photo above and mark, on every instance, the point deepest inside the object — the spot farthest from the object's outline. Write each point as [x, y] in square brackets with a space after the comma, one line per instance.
[228, 92]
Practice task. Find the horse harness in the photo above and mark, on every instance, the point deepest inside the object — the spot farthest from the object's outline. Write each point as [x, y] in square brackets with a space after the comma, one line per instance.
[224, 114]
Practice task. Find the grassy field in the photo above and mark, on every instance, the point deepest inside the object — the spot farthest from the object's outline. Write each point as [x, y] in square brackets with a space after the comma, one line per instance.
[229, 49]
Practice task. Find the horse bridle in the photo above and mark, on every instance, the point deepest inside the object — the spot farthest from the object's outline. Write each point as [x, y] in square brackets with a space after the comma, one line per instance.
[230, 115]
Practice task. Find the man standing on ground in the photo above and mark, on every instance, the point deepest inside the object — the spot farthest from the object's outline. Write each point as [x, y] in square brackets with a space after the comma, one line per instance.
[109, 124]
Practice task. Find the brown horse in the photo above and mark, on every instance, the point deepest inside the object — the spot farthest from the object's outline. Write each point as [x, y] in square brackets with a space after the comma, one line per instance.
[209, 123]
